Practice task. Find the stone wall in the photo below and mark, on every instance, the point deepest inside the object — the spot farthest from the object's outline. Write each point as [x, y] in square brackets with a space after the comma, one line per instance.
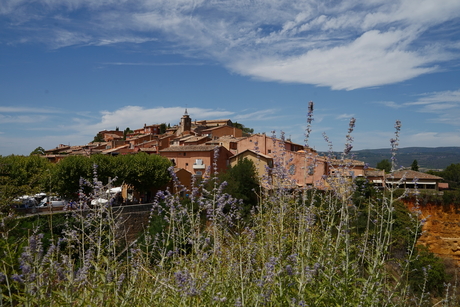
[134, 220]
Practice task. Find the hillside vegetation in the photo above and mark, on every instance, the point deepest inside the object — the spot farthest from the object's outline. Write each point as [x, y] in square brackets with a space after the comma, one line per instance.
[428, 158]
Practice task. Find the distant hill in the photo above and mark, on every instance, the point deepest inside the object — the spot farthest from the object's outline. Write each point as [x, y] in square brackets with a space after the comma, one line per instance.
[427, 157]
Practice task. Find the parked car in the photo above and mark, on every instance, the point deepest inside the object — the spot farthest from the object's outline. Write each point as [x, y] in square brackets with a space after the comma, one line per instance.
[25, 201]
[99, 201]
[52, 201]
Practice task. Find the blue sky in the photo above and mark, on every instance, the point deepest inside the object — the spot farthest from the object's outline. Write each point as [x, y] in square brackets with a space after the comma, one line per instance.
[71, 68]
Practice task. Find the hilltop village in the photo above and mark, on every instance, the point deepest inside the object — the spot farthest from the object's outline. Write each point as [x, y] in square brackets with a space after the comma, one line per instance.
[193, 146]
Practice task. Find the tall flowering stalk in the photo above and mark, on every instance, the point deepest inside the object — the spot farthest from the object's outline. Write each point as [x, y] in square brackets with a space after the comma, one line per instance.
[309, 122]
[394, 146]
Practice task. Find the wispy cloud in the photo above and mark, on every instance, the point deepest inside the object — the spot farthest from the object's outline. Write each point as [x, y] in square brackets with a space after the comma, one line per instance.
[345, 116]
[154, 64]
[258, 115]
[390, 104]
[445, 105]
[136, 116]
[22, 119]
[6, 109]
[25, 115]
[437, 97]
[346, 45]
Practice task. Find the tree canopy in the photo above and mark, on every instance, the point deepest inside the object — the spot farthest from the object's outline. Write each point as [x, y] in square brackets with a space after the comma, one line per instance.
[21, 175]
[451, 174]
[414, 166]
[242, 183]
[385, 165]
[28, 175]
[142, 171]
[38, 151]
[246, 130]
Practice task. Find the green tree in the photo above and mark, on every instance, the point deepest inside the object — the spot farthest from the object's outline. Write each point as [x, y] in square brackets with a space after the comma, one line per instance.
[385, 165]
[242, 183]
[451, 175]
[21, 175]
[142, 171]
[38, 151]
[427, 272]
[98, 138]
[246, 131]
[414, 166]
[126, 132]
[104, 165]
[67, 173]
[163, 128]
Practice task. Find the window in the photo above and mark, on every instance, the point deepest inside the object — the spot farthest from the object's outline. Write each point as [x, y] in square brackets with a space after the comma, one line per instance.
[292, 169]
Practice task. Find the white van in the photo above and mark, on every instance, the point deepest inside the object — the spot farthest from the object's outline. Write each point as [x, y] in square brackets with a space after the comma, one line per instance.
[52, 201]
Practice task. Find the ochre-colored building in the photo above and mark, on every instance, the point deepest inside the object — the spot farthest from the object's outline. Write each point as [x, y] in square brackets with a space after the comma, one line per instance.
[198, 158]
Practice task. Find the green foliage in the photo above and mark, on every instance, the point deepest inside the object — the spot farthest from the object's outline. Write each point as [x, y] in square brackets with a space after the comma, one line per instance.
[38, 151]
[126, 132]
[414, 166]
[98, 138]
[242, 183]
[142, 171]
[427, 272]
[385, 165]
[246, 131]
[451, 175]
[67, 173]
[163, 128]
[22, 175]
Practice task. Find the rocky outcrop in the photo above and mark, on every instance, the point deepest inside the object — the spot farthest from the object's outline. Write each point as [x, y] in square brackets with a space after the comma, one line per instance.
[441, 229]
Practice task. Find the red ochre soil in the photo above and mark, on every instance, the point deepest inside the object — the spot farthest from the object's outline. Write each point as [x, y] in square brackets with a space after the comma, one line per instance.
[441, 230]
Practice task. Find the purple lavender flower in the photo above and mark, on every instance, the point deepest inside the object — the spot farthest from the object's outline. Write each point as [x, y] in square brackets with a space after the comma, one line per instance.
[394, 145]
[17, 278]
[309, 121]
[348, 145]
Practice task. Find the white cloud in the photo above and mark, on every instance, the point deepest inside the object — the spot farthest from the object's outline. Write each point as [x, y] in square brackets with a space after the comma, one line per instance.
[446, 105]
[432, 139]
[81, 130]
[5, 109]
[372, 59]
[258, 115]
[154, 64]
[437, 97]
[135, 117]
[346, 45]
[345, 116]
[22, 119]
[390, 104]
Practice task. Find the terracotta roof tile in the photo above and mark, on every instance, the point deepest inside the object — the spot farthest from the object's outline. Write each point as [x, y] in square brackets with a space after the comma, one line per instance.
[410, 174]
[188, 148]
